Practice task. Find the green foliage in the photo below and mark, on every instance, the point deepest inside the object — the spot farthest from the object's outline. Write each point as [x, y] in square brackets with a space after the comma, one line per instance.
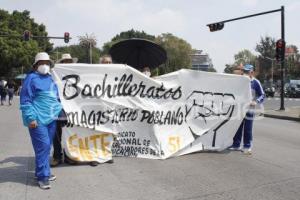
[266, 60]
[266, 48]
[229, 68]
[89, 42]
[244, 57]
[76, 51]
[126, 35]
[14, 52]
[241, 58]
[178, 53]
[178, 50]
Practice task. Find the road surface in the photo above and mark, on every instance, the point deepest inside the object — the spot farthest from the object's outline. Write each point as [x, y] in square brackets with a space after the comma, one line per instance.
[272, 172]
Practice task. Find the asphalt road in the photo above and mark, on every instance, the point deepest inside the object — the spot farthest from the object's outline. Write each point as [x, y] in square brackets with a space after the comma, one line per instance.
[272, 172]
[274, 103]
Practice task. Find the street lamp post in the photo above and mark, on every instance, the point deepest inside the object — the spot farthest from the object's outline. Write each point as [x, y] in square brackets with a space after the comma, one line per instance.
[282, 62]
[220, 25]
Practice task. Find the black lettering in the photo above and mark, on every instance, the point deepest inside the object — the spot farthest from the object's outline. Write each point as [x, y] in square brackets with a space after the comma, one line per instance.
[86, 91]
[72, 85]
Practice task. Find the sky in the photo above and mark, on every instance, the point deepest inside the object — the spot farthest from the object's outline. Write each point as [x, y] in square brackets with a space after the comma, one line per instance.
[186, 19]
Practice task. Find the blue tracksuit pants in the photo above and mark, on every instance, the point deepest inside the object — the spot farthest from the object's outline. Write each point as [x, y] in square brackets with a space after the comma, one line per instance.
[42, 137]
[246, 127]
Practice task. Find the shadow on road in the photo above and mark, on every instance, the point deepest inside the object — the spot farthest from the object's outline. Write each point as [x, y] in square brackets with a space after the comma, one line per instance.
[17, 170]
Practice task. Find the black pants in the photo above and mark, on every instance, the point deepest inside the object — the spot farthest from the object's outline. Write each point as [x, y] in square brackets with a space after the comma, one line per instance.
[58, 153]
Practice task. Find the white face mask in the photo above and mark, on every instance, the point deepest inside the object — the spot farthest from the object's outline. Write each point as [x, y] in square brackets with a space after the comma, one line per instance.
[43, 69]
[147, 73]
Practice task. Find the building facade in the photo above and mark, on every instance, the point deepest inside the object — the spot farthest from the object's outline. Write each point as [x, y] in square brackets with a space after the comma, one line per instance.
[201, 61]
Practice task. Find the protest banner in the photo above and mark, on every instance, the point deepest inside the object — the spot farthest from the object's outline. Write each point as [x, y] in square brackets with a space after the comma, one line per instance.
[114, 110]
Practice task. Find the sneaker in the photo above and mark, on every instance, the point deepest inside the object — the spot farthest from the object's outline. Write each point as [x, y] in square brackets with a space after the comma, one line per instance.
[247, 151]
[110, 161]
[52, 177]
[233, 148]
[55, 162]
[44, 184]
[94, 163]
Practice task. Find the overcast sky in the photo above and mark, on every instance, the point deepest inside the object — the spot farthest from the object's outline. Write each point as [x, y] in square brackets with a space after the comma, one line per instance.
[184, 18]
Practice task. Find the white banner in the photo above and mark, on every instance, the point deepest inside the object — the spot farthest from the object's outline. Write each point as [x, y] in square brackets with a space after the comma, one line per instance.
[116, 110]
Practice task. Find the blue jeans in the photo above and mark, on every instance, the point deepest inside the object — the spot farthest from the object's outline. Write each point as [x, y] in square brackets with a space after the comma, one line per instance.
[246, 127]
[41, 138]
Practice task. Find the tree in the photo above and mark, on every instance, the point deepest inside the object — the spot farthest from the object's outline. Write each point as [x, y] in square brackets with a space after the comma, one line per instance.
[76, 51]
[126, 35]
[244, 57]
[89, 42]
[241, 58]
[229, 68]
[266, 48]
[17, 55]
[178, 52]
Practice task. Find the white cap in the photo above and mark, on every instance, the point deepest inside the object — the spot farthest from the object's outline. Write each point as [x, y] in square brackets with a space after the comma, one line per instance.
[42, 56]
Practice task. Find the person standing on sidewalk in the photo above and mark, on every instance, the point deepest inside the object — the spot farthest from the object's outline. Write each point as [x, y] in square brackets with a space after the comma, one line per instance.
[3, 91]
[40, 106]
[10, 86]
[246, 126]
[58, 152]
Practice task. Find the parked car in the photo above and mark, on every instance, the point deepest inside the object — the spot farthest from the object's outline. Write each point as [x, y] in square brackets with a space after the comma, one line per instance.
[293, 91]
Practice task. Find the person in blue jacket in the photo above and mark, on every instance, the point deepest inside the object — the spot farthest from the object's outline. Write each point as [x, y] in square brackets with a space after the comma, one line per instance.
[40, 106]
[246, 126]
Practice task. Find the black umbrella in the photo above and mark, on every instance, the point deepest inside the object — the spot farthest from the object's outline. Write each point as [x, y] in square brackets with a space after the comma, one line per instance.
[138, 53]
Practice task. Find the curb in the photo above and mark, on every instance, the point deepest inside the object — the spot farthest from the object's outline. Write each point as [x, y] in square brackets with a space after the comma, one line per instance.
[297, 119]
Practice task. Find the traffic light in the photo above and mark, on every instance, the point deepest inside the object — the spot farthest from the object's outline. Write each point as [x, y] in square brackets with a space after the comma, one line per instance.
[216, 26]
[26, 35]
[66, 37]
[280, 50]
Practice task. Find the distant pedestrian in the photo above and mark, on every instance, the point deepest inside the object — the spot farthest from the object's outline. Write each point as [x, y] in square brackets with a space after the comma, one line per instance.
[19, 90]
[246, 126]
[10, 86]
[40, 106]
[67, 58]
[3, 91]
[105, 59]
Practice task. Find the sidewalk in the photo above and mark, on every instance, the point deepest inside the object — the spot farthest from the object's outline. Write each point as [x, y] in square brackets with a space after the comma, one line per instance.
[291, 113]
